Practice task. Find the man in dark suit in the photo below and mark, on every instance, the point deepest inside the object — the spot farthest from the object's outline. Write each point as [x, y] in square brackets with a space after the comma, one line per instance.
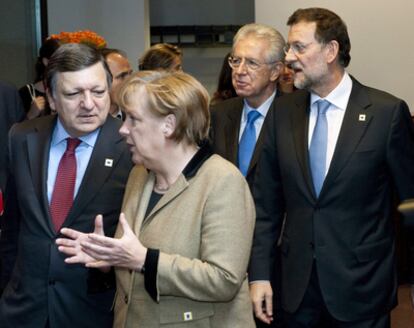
[59, 186]
[120, 69]
[11, 111]
[332, 156]
[256, 62]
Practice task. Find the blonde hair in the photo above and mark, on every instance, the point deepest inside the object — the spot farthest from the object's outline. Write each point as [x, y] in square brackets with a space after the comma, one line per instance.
[176, 93]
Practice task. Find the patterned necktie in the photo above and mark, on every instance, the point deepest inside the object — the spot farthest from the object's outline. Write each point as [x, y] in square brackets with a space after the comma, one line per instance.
[318, 146]
[247, 142]
[62, 196]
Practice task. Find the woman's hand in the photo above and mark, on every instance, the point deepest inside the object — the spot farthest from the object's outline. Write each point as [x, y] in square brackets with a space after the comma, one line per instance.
[126, 252]
[37, 107]
[72, 244]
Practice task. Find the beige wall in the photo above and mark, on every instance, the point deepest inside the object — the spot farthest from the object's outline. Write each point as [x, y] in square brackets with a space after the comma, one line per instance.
[123, 23]
[381, 35]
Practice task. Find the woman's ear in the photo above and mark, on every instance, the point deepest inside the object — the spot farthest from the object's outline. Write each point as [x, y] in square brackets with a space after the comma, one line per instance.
[169, 125]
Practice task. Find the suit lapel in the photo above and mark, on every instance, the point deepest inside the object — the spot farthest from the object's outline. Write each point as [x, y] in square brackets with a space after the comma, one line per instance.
[260, 139]
[354, 125]
[38, 145]
[176, 189]
[232, 129]
[108, 147]
[299, 121]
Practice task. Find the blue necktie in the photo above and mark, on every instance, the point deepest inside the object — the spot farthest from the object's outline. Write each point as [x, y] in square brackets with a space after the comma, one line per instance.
[247, 142]
[318, 146]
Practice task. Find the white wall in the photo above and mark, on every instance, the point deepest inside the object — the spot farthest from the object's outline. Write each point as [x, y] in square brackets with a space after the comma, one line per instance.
[123, 23]
[381, 34]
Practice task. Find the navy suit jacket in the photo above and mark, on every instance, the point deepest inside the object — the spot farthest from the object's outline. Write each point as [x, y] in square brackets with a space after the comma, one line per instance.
[225, 130]
[42, 287]
[347, 232]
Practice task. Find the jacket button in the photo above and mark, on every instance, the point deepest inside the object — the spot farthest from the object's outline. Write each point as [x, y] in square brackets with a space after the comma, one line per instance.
[52, 282]
[126, 299]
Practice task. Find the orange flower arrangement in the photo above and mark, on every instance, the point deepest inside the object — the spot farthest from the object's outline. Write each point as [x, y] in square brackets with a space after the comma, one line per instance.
[88, 37]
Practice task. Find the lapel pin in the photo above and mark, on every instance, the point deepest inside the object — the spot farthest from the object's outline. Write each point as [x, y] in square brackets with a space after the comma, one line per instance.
[362, 117]
[109, 162]
[188, 316]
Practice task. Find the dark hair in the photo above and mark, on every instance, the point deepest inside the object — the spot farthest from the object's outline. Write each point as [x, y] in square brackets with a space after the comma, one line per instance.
[73, 57]
[108, 51]
[159, 56]
[225, 89]
[329, 26]
[47, 49]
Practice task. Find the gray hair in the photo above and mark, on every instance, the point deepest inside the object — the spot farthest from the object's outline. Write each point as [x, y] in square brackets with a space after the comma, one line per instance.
[265, 32]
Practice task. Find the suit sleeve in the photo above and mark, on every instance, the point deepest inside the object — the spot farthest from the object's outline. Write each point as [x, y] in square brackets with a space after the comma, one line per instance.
[400, 156]
[269, 201]
[226, 235]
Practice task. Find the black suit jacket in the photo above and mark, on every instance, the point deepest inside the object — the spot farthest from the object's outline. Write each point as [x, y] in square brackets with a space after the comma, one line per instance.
[11, 111]
[225, 130]
[42, 286]
[347, 232]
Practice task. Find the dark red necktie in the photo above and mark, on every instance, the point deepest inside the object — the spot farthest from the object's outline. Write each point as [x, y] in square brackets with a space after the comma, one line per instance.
[62, 196]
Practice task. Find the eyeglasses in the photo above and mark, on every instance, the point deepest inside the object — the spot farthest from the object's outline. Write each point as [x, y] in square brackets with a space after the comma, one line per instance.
[297, 48]
[251, 64]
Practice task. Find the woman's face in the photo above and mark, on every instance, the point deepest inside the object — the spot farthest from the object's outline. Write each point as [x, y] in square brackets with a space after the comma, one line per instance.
[143, 131]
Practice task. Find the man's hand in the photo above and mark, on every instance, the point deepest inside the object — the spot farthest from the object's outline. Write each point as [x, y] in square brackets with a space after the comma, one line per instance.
[261, 295]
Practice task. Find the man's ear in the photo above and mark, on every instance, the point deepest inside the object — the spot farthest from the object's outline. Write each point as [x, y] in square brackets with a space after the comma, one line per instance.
[50, 99]
[332, 51]
[276, 71]
[170, 123]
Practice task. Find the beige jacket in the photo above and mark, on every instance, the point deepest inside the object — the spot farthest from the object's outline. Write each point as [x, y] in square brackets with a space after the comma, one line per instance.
[203, 227]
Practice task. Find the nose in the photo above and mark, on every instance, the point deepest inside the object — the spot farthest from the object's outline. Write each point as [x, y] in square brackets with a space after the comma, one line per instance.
[87, 100]
[290, 56]
[242, 69]
[124, 129]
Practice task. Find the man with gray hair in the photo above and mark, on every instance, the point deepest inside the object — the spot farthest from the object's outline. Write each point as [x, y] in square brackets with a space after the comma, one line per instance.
[66, 169]
[236, 124]
[256, 61]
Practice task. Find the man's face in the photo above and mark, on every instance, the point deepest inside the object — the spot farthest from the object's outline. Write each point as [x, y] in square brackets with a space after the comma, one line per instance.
[81, 99]
[120, 70]
[254, 85]
[307, 57]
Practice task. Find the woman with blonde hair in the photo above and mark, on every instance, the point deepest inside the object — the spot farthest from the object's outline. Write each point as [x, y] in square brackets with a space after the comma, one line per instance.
[183, 241]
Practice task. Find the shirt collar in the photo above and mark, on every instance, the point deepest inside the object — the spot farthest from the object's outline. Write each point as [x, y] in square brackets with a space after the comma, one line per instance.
[262, 109]
[339, 96]
[60, 134]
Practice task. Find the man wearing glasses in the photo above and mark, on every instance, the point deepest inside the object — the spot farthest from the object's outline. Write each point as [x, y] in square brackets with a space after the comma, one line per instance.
[332, 156]
[256, 62]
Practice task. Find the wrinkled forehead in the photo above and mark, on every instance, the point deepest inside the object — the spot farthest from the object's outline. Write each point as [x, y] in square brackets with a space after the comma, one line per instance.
[86, 78]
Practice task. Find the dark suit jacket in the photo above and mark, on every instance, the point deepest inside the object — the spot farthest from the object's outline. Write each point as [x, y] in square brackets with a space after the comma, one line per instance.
[225, 129]
[347, 232]
[42, 286]
[11, 111]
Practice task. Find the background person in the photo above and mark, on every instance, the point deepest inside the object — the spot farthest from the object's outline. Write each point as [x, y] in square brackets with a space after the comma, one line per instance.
[184, 241]
[161, 56]
[225, 89]
[120, 69]
[34, 94]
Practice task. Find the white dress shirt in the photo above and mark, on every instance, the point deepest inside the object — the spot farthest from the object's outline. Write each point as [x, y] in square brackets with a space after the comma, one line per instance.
[338, 98]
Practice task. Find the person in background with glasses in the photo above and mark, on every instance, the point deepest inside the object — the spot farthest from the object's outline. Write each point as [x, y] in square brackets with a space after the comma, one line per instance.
[257, 62]
[334, 153]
